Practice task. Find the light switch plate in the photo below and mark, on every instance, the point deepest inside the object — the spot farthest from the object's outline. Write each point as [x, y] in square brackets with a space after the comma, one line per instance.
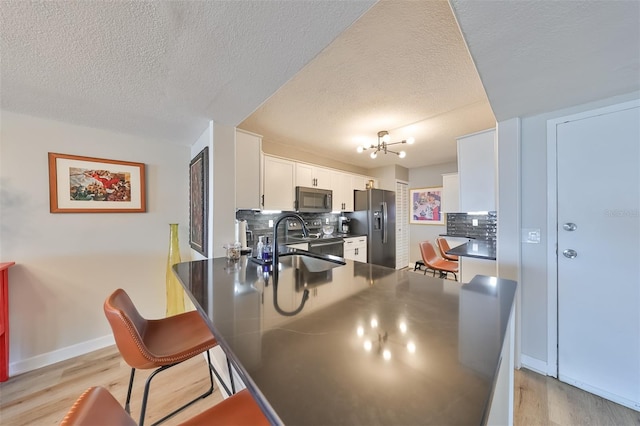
[531, 235]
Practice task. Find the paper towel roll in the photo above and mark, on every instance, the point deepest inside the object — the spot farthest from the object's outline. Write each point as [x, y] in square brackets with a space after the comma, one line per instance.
[237, 231]
[243, 234]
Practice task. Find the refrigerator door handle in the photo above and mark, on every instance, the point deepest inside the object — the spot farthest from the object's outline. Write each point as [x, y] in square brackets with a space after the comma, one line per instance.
[384, 222]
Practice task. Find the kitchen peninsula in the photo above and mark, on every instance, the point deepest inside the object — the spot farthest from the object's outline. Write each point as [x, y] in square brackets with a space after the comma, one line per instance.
[371, 345]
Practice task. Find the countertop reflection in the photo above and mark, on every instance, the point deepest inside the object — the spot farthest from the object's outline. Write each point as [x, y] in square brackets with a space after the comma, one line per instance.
[372, 345]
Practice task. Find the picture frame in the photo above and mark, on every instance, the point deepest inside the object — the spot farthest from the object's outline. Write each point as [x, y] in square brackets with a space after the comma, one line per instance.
[425, 204]
[199, 202]
[95, 185]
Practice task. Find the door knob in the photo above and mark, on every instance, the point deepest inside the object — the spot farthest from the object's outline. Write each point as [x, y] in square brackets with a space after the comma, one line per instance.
[570, 253]
[569, 226]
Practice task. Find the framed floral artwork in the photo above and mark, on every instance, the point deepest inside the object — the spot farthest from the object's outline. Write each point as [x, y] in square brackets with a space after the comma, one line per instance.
[95, 185]
[425, 206]
[199, 202]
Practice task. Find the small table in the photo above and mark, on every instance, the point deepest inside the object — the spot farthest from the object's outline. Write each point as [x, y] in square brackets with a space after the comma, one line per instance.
[4, 320]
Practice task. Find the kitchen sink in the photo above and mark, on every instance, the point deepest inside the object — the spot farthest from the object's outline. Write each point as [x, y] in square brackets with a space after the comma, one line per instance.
[314, 264]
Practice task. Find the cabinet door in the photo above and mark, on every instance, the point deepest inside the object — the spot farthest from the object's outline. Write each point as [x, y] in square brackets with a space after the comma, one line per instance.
[322, 177]
[450, 193]
[304, 175]
[313, 176]
[247, 172]
[278, 182]
[477, 172]
[342, 193]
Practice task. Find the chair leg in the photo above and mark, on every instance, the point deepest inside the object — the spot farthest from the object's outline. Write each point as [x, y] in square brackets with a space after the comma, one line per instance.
[126, 404]
[145, 396]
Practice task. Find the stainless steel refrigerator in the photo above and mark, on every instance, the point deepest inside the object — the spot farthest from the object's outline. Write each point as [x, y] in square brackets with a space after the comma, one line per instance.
[374, 215]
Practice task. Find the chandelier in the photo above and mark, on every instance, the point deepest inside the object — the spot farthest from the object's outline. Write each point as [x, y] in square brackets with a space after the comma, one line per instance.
[383, 144]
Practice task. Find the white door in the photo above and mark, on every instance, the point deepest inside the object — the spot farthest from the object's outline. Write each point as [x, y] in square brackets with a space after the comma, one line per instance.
[402, 225]
[598, 234]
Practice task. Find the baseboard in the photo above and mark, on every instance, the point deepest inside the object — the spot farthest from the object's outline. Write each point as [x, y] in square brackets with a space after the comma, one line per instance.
[634, 405]
[534, 364]
[58, 355]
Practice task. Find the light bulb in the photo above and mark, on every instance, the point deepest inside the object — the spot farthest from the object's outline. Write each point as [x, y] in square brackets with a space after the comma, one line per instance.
[402, 154]
[374, 323]
[411, 140]
[386, 354]
[360, 149]
[411, 347]
[403, 327]
[367, 345]
[386, 138]
[360, 331]
[374, 154]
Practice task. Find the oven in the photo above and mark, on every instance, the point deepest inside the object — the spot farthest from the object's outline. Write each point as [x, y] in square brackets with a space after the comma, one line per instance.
[333, 246]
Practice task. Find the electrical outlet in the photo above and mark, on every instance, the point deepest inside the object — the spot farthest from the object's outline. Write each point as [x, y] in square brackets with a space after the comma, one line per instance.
[531, 235]
[270, 223]
[474, 222]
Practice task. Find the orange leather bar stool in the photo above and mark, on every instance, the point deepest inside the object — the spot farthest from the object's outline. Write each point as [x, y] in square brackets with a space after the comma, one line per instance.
[443, 246]
[159, 344]
[96, 406]
[435, 263]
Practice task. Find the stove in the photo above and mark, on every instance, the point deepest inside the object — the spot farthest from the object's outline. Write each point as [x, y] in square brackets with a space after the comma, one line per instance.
[319, 242]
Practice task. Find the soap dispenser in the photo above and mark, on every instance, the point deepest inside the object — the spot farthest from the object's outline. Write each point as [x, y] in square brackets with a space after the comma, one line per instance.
[259, 247]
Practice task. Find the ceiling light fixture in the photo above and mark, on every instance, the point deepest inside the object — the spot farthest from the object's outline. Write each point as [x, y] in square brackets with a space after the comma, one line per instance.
[383, 144]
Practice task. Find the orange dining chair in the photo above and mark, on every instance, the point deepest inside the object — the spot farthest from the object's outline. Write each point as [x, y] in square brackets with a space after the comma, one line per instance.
[443, 246]
[97, 406]
[435, 263]
[157, 344]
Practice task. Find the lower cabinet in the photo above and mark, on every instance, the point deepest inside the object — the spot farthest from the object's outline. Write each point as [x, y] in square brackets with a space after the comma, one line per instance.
[471, 266]
[299, 246]
[355, 248]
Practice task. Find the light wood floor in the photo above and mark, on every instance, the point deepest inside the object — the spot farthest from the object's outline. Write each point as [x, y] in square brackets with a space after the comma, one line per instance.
[42, 397]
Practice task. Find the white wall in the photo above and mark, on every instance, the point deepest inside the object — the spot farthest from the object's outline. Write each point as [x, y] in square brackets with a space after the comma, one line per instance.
[223, 202]
[424, 177]
[534, 215]
[68, 263]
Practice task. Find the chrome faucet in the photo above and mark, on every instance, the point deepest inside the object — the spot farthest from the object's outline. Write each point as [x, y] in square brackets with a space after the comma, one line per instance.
[305, 233]
[275, 263]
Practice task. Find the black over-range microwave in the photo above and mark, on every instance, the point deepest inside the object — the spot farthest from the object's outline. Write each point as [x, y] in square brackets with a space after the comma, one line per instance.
[313, 200]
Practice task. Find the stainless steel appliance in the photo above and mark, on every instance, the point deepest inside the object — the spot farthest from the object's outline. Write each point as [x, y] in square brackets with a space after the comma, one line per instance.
[319, 242]
[313, 200]
[374, 215]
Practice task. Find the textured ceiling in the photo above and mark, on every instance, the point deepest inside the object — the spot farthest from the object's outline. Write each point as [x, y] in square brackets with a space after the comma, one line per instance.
[537, 56]
[402, 67]
[299, 72]
[160, 68]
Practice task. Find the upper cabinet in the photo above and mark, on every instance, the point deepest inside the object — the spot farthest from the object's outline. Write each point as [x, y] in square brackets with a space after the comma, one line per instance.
[312, 176]
[281, 176]
[477, 171]
[247, 172]
[450, 202]
[278, 184]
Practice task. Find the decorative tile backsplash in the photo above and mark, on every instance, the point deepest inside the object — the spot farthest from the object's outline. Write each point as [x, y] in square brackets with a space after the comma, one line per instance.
[258, 223]
[462, 225]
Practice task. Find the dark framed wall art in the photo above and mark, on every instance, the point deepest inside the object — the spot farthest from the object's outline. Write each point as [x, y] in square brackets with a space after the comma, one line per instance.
[199, 202]
[95, 185]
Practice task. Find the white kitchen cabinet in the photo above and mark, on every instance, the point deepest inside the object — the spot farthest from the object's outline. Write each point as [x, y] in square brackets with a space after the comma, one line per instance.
[313, 176]
[341, 185]
[299, 246]
[471, 266]
[247, 171]
[450, 193]
[278, 184]
[355, 248]
[477, 171]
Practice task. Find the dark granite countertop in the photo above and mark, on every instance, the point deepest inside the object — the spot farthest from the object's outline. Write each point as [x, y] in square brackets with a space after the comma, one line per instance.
[476, 248]
[316, 367]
